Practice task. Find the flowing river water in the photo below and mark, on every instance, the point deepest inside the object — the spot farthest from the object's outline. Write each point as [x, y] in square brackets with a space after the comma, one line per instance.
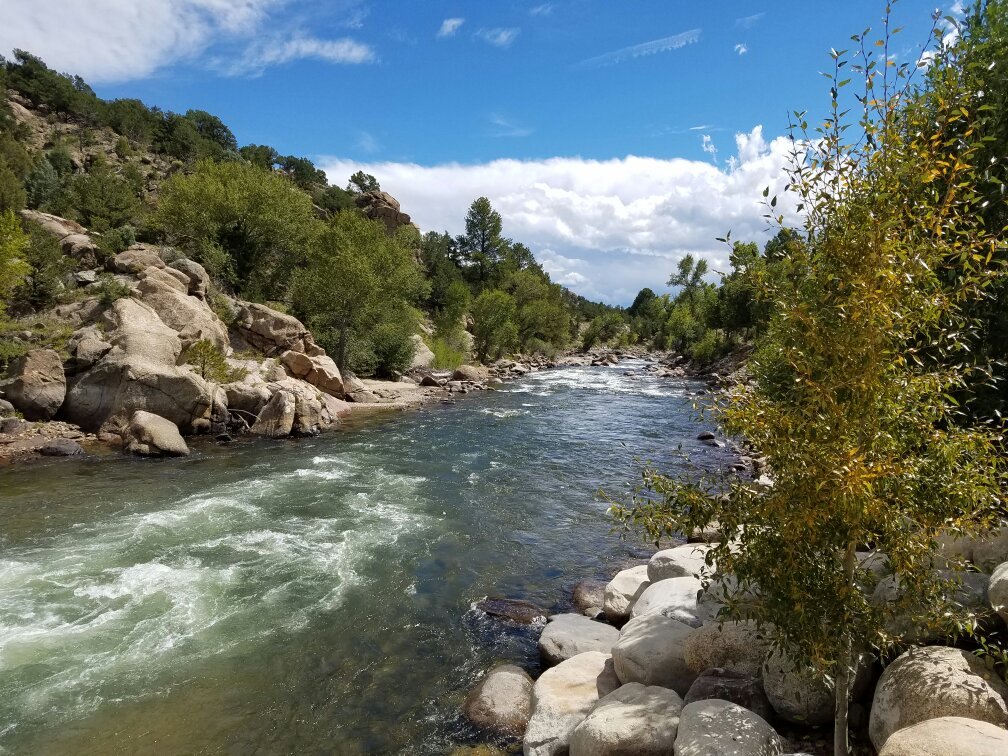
[315, 596]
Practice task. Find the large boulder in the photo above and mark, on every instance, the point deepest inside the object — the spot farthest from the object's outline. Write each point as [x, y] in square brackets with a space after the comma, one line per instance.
[269, 331]
[247, 397]
[562, 697]
[320, 371]
[650, 651]
[677, 598]
[633, 719]
[935, 681]
[968, 589]
[423, 357]
[589, 597]
[714, 727]
[36, 385]
[53, 225]
[471, 373]
[384, 207]
[186, 315]
[136, 259]
[797, 693]
[735, 646]
[138, 373]
[502, 701]
[622, 592]
[276, 419]
[153, 436]
[681, 561]
[997, 591]
[88, 346]
[567, 635]
[948, 736]
[744, 690]
[198, 279]
[310, 412]
[991, 549]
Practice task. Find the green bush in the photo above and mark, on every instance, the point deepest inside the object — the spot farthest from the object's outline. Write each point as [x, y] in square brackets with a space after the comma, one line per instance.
[42, 184]
[117, 240]
[211, 364]
[448, 353]
[707, 348]
[393, 348]
[43, 284]
[111, 289]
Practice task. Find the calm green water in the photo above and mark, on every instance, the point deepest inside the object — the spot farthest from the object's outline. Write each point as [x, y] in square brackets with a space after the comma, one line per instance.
[317, 596]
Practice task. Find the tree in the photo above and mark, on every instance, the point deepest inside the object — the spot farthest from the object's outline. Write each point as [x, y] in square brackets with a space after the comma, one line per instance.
[13, 266]
[101, 199]
[361, 183]
[212, 129]
[356, 277]
[853, 402]
[482, 246]
[12, 193]
[132, 119]
[494, 329]
[689, 274]
[644, 297]
[251, 228]
[302, 172]
[260, 155]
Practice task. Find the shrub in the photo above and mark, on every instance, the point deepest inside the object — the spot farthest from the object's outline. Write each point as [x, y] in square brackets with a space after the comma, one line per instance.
[42, 184]
[447, 355]
[111, 289]
[707, 348]
[393, 348]
[211, 364]
[118, 240]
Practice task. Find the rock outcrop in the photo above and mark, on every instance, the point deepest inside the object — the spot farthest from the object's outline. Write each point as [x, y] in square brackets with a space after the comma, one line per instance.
[384, 207]
[36, 385]
[276, 419]
[269, 331]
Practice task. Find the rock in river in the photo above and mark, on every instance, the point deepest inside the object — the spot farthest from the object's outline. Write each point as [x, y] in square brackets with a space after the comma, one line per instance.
[567, 635]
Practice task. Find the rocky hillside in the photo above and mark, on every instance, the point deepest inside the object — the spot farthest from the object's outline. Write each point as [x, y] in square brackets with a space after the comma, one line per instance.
[132, 331]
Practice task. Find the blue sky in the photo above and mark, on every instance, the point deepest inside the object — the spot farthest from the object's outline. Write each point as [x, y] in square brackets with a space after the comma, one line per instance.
[614, 137]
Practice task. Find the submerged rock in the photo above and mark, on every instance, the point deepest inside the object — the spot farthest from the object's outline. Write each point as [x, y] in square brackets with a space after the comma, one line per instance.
[515, 610]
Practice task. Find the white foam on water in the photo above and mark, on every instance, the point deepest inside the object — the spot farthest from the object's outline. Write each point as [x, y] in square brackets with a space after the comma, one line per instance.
[504, 413]
[122, 602]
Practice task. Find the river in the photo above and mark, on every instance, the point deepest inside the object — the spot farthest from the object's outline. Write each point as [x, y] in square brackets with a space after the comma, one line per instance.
[315, 596]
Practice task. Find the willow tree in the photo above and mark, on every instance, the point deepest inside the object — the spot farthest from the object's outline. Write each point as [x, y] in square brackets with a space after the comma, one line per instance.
[852, 403]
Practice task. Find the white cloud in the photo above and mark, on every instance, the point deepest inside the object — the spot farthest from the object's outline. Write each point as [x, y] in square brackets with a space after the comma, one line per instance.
[122, 40]
[262, 55]
[741, 48]
[449, 26]
[653, 47]
[542, 10]
[498, 37]
[708, 147]
[367, 142]
[606, 228]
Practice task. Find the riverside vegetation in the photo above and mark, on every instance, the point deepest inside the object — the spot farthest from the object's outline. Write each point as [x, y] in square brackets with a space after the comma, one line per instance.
[877, 535]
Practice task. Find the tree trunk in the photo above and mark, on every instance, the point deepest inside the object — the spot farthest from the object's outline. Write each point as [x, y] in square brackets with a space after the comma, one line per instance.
[845, 663]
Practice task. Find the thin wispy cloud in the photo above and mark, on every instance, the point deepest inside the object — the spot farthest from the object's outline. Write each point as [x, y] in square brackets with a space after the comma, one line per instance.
[449, 27]
[357, 17]
[702, 127]
[498, 37]
[542, 10]
[278, 51]
[741, 48]
[665, 44]
[747, 21]
[505, 127]
[708, 146]
[366, 142]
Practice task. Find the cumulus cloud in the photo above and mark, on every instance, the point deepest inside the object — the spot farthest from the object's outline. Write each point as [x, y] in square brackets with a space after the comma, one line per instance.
[708, 146]
[498, 37]
[605, 228]
[449, 26]
[741, 48]
[121, 40]
[675, 42]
